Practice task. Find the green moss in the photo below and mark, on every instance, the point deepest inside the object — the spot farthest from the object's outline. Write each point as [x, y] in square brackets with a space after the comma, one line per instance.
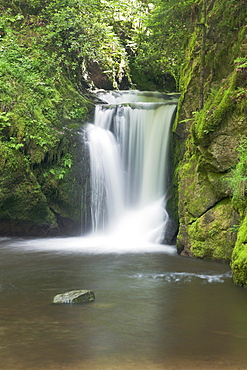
[25, 202]
[41, 109]
[220, 182]
[237, 179]
[218, 106]
[239, 256]
[197, 194]
[186, 82]
[239, 267]
[190, 63]
[211, 235]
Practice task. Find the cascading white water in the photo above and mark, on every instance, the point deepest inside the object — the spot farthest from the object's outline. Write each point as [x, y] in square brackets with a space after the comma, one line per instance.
[128, 145]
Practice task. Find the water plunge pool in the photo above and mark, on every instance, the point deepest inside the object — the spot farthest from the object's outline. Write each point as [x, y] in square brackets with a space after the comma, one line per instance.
[153, 308]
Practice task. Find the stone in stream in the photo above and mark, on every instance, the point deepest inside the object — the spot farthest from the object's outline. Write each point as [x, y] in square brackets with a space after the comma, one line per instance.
[75, 296]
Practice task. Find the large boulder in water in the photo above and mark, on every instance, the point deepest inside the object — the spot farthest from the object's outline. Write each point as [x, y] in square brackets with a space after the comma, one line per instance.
[75, 296]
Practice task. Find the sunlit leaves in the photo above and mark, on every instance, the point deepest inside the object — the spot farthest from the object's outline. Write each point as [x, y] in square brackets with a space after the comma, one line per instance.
[161, 44]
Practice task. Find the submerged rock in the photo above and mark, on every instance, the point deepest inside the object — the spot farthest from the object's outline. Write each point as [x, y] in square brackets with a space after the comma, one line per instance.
[75, 296]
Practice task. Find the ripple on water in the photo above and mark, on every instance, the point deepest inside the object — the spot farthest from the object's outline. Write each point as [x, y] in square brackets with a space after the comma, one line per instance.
[184, 277]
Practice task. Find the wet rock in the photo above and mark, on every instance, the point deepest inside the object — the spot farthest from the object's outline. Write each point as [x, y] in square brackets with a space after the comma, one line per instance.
[75, 296]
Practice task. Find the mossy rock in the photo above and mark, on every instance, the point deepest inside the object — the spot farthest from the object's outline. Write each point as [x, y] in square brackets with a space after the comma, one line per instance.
[211, 236]
[223, 151]
[24, 210]
[221, 182]
[22, 199]
[196, 193]
[239, 256]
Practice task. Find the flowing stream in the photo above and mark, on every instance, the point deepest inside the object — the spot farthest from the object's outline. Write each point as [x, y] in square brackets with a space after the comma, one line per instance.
[154, 309]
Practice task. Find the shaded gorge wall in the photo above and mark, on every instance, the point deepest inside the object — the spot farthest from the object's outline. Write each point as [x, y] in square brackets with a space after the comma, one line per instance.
[209, 137]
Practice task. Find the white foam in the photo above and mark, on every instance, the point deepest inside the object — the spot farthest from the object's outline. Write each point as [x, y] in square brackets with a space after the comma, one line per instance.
[99, 244]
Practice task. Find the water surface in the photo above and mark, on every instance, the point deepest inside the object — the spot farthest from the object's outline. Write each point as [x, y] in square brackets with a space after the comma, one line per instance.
[153, 308]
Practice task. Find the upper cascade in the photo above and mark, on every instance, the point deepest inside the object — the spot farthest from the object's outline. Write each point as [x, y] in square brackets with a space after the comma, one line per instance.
[135, 96]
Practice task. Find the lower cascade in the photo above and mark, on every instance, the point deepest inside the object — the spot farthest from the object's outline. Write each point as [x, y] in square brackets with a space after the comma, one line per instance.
[128, 146]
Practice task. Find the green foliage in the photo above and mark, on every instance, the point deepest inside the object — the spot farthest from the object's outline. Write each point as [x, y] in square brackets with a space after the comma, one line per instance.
[228, 15]
[79, 30]
[46, 48]
[59, 170]
[37, 103]
[241, 62]
[28, 119]
[238, 180]
[161, 42]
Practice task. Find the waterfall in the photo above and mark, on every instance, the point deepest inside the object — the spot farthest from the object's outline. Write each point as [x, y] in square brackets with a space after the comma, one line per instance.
[128, 145]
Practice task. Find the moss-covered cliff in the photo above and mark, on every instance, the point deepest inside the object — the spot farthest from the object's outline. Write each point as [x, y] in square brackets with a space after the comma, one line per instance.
[51, 54]
[210, 135]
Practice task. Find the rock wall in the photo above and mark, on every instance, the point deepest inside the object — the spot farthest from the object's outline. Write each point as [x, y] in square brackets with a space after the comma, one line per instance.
[209, 139]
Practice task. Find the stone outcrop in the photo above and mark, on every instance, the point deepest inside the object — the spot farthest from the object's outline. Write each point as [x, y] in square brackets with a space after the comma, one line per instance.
[75, 296]
[209, 144]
